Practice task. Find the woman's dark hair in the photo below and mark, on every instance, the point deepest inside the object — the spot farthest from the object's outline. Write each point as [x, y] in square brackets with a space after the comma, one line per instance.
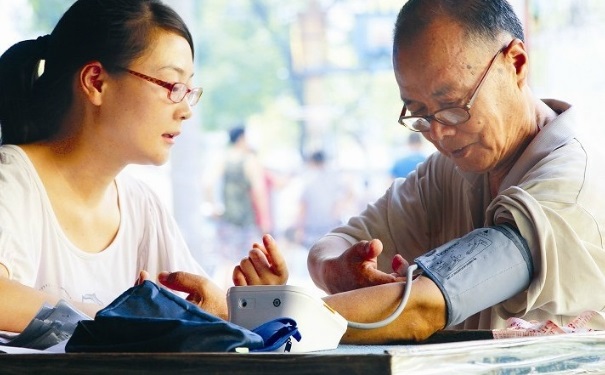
[483, 19]
[113, 32]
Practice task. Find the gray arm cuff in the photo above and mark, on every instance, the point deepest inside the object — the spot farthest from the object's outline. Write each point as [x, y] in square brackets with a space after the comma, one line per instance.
[479, 270]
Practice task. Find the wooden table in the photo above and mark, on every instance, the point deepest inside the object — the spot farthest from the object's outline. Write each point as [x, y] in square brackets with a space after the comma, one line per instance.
[541, 355]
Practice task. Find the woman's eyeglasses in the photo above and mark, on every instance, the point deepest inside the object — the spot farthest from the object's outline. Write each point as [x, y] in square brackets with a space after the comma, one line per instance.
[176, 91]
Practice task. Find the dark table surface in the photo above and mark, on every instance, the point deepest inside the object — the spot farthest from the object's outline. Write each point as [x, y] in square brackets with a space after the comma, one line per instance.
[468, 352]
[346, 359]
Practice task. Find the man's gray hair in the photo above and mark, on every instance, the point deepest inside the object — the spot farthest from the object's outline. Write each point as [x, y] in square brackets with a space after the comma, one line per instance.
[481, 19]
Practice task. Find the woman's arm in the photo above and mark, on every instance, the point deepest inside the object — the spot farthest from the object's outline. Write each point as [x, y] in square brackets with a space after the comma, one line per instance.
[19, 304]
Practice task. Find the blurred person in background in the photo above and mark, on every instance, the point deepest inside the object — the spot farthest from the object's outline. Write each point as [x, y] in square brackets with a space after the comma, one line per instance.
[322, 200]
[414, 156]
[244, 210]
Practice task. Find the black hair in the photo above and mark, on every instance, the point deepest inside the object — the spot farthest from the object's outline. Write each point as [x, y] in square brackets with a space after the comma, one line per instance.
[113, 32]
[483, 19]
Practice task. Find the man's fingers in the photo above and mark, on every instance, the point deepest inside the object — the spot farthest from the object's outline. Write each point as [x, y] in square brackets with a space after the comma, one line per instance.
[374, 276]
[365, 250]
[373, 249]
[400, 265]
[379, 278]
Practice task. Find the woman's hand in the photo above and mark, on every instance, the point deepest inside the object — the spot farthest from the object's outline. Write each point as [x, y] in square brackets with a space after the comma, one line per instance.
[264, 265]
[200, 291]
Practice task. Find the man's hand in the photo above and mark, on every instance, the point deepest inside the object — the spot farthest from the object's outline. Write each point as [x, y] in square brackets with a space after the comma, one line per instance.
[264, 265]
[201, 291]
[356, 267]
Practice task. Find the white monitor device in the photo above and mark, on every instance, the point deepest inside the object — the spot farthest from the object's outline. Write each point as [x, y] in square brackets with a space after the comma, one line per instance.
[321, 327]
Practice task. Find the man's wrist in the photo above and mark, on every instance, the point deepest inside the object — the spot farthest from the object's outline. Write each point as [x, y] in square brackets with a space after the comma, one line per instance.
[316, 263]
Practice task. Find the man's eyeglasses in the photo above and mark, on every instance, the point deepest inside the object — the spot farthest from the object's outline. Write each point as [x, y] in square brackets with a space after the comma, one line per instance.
[451, 116]
[176, 91]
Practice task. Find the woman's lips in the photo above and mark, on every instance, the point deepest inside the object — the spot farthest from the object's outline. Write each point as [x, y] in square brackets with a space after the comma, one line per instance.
[169, 137]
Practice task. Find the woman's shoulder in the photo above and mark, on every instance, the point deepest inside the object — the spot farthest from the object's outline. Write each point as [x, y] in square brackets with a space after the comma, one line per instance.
[21, 191]
[15, 166]
[134, 189]
[137, 194]
[11, 153]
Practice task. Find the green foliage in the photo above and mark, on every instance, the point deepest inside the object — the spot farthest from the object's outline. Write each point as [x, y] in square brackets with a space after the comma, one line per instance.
[243, 51]
[47, 13]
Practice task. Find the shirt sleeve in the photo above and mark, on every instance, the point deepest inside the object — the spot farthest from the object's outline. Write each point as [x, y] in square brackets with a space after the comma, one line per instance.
[21, 216]
[558, 208]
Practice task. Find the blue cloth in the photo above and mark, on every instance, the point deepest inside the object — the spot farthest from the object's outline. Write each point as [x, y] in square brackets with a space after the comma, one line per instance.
[147, 318]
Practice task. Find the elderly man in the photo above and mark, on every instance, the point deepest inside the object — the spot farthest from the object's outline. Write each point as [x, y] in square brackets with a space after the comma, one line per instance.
[507, 219]
[512, 184]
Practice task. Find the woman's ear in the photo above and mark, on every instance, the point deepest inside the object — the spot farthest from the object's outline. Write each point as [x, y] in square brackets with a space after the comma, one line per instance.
[91, 81]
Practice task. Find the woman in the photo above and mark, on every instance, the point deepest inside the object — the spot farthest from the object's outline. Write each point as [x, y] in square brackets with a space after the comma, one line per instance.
[114, 90]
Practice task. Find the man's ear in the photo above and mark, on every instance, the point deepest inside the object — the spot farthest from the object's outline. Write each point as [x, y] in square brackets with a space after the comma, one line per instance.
[517, 53]
[92, 81]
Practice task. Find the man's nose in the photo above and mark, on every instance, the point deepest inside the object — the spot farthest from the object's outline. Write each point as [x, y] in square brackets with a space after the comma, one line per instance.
[438, 131]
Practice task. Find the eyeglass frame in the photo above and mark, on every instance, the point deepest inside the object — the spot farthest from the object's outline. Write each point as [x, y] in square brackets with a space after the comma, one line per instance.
[170, 87]
[466, 108]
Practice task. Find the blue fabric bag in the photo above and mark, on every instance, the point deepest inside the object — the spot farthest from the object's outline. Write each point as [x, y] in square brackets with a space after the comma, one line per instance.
[276, 333]
[147, 318]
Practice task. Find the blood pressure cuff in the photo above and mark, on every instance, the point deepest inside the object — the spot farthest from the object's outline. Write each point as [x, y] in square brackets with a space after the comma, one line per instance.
[479, 270]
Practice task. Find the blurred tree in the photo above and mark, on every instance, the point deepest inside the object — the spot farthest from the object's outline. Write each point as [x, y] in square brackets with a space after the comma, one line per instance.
[47, 13]
[249, 68]
[281, 51]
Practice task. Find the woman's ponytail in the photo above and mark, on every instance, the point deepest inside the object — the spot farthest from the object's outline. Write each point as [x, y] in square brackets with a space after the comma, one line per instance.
[20, 69]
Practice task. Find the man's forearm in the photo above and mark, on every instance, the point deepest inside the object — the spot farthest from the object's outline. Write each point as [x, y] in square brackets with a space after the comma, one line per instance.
[425, 312]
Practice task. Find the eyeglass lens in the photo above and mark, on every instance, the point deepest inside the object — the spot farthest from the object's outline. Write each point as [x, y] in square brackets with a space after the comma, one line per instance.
[180, 91]
[452, 116]
[448, 116]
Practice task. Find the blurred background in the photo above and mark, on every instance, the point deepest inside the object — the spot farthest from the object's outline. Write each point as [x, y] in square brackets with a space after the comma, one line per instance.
[297, 127]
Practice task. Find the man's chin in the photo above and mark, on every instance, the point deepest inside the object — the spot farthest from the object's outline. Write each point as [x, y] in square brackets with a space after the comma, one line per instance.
[476, 169]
